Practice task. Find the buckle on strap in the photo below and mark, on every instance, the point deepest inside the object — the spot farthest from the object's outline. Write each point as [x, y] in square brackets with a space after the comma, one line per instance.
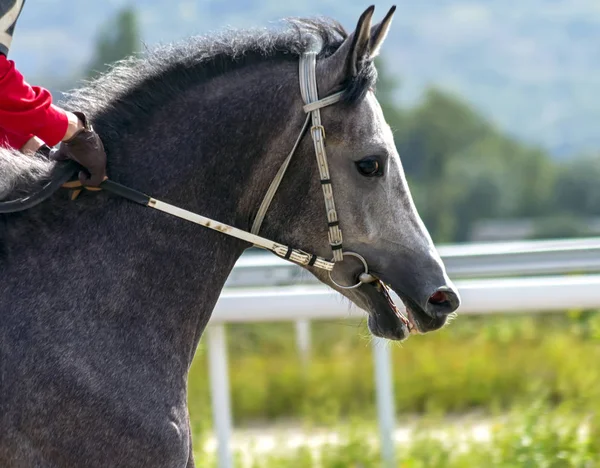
[318, 127]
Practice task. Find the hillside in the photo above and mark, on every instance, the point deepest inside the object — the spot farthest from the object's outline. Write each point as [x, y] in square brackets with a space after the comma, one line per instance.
[531, 66]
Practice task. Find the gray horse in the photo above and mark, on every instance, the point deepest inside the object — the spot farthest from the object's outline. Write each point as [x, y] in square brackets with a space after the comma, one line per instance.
[103, 302]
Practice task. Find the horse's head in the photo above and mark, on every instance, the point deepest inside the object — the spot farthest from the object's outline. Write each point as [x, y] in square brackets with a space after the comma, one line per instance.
[375, 209]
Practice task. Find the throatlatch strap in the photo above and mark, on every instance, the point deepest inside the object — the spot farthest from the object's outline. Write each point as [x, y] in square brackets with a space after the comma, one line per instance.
[264, 206]
[276, 182]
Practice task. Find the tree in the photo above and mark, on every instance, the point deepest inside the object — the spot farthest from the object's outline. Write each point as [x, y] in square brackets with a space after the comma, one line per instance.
[577, 189]
[437, 133]
[462, 169]
[117, 40]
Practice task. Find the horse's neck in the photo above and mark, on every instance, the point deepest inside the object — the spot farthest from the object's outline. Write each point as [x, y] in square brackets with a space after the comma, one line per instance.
[140, 270]
[116, 273]
[215, 148]
[173, 278]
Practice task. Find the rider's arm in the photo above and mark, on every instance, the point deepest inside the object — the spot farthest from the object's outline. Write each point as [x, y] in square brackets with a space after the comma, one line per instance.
[28, 110]
[28, 117]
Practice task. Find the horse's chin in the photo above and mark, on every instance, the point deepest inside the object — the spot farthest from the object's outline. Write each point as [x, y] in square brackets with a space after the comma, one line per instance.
[388, 321]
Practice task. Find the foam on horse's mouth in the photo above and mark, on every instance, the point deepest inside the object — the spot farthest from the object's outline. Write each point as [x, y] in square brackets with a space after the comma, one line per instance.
[406, 319]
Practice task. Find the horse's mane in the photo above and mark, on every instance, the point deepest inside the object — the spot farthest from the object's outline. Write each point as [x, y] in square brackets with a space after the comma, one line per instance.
[19, 173]
[133, 87]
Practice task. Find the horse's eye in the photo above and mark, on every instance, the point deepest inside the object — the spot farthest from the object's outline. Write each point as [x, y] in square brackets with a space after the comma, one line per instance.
[370, 167]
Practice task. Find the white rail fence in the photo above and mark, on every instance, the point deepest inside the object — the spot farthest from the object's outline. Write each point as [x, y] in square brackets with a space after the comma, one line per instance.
[265, 288]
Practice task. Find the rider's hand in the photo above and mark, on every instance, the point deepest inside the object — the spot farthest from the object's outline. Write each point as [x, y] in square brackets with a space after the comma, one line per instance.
[84, 146]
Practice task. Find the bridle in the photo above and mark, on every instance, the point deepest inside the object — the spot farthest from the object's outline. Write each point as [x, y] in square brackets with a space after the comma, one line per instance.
[312, 106]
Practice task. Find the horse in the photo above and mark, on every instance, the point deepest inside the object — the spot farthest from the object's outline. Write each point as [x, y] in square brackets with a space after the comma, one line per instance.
[103, 302]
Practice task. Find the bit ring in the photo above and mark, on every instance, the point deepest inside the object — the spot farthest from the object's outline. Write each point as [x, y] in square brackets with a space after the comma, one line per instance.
[364, 277]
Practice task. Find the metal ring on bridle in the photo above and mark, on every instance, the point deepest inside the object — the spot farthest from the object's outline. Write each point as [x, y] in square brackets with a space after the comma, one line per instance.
[365, 277]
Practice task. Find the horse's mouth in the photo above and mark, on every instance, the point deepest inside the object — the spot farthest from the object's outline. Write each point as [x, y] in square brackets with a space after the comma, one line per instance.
[407, 319]
[386, 320]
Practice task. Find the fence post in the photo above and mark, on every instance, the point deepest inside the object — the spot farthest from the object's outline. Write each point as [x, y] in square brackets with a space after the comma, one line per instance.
[385, 399]
[303, 340]
[219, 388]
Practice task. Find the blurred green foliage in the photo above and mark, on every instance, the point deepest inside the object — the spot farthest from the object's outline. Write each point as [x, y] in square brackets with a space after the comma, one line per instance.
[118, 39]
[461, 169]
[536, 377]
[488, 363]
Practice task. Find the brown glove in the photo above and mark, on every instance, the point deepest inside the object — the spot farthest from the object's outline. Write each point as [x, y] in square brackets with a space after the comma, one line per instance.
[86, 148]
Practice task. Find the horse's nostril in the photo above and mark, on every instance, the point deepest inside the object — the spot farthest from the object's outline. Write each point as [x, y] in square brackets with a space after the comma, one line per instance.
[438, 297]
[442, 302]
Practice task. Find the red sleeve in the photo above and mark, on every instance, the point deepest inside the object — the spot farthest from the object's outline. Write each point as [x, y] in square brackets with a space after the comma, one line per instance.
[28, 110]
[13, 140]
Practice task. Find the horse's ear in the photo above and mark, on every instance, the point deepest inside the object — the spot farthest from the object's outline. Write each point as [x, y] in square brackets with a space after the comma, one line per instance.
[347, 61]
[379, 33]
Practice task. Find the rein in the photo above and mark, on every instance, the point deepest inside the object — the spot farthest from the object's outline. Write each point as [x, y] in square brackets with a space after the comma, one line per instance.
[308, 88]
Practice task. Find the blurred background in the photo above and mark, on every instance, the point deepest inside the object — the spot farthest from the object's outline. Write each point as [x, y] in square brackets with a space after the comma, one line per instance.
[495, 106]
